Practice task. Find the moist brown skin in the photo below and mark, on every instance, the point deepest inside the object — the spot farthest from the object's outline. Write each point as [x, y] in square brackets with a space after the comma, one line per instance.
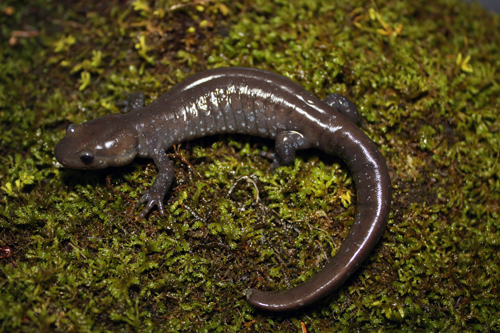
[256, 102]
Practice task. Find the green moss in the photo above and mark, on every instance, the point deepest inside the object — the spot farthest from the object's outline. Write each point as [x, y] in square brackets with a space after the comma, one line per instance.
[425, 76]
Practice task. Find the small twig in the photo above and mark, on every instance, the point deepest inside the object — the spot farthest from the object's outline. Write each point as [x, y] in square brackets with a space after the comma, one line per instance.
[178, 154]
[249, 180]
[215, 244]
[174, 7]
[80, 251]
[196, 215]
[25, 34]
[322, 249]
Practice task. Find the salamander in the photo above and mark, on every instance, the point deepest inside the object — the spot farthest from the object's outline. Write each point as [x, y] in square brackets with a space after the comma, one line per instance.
[255, 102]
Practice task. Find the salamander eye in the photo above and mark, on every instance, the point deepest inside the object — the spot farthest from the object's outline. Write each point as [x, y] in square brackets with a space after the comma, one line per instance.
[87, 158]
[70, 128]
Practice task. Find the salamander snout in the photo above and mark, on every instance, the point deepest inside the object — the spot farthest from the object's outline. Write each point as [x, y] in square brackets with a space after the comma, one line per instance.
[97, 144]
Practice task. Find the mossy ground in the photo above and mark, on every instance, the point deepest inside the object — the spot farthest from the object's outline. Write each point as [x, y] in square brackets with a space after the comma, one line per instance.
[426, 77]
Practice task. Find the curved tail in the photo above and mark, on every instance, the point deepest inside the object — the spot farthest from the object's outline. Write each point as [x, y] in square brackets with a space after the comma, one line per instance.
[373, 189]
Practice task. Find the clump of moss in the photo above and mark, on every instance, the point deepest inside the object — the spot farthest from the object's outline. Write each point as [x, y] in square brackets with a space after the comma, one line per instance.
[425, 76]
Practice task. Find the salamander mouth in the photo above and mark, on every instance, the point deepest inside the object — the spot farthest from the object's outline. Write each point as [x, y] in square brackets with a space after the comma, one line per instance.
[122, 159]
[102, 162]
[98, 162]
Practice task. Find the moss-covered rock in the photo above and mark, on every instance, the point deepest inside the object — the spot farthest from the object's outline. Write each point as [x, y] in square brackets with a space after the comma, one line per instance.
[426, 77]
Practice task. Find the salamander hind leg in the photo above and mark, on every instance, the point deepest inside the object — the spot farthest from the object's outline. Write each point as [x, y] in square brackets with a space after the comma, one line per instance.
[343, 105]
[287, 143]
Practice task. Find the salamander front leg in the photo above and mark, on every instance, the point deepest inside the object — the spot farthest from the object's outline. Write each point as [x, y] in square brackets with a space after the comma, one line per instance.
[133, 101]
[154, 196]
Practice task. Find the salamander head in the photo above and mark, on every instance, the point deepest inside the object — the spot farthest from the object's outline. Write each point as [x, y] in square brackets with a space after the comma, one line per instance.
[97, 144]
